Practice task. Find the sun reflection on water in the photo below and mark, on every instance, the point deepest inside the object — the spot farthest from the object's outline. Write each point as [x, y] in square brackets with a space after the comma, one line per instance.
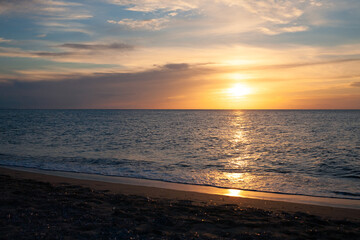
[237, 132]
[238, 136]
[234, 177]
[233, 193]
[232, 167]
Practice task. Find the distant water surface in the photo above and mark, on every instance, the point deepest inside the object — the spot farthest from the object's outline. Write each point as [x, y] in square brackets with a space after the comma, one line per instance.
[313, 153]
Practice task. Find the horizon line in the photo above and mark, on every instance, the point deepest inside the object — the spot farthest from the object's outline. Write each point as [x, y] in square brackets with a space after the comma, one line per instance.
[194, 109]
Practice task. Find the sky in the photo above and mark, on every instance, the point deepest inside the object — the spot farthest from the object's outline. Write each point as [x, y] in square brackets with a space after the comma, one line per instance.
[180, 54]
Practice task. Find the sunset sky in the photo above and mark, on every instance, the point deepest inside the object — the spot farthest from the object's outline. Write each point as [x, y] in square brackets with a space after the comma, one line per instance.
[180, 54]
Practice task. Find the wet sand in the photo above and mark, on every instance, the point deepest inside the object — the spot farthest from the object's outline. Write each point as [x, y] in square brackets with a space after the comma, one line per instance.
[38, 206]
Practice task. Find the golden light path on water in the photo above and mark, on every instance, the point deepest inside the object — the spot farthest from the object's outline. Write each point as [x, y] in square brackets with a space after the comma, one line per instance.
[233, 173]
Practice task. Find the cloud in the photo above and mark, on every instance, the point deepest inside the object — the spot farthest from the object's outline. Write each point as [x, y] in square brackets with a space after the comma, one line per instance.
[16, 52]
[57, 3]
[205, 19]
[355, 84]
[52, 54]
[4, 40]
[72, 16]
[52, 14]
[279, 12]
[155, 5]
[304, 64]
[294, 29]
[174, 85]
[80, 50]
[282, 11]
[279, 30]
[148, 24]
[64, 10]
[143, 89]
[41, 35]
[63, 26]
[111, 46]
[177, 66]
[228, 17]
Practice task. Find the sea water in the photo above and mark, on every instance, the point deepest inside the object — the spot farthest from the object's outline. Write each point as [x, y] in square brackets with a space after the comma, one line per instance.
[314, 153]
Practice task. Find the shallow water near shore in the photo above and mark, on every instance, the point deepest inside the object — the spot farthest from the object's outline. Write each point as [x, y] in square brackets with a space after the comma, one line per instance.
[302, 199]
[314, 153]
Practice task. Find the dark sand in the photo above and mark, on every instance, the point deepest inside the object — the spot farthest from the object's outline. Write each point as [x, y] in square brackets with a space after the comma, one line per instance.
[38, 206]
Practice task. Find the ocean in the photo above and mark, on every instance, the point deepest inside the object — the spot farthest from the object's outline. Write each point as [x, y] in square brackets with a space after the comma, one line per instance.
[305, 152]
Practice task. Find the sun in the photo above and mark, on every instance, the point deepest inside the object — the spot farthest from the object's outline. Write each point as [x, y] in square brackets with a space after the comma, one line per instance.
[238, 90]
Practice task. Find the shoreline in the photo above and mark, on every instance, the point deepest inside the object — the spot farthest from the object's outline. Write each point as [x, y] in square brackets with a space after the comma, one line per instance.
[40, 206]
[201, 194]
[279, 197]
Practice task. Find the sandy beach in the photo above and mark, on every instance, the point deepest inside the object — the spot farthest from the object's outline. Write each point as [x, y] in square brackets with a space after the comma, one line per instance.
[39, 206]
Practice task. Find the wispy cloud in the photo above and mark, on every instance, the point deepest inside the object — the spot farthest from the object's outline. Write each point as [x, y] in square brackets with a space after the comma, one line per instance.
[279, 30]
[4, 40]
[57, 3]
[270, 11]
[155, 5]
[111, 46]
[41, 35]
[54, 15]
[16, 52]
[51, 8]
[57, 25]
[355, 84]
[148, 24]
[80, 50]
[177, 66]
[279, 12]
[52, 54]
[301, 64]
